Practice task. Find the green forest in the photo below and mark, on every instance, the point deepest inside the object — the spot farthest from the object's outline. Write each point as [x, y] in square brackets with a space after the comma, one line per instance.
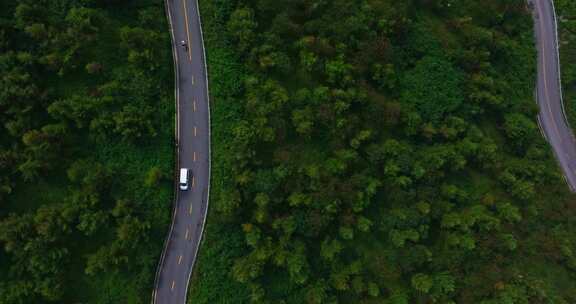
[379, 151]
[566, 16]
[86, 149]
[364, 151]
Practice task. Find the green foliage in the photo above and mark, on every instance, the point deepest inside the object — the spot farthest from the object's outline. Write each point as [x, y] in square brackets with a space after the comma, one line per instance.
[153, 177]
[433, 87]
[422, 282]
[82, 121]
[566, 11]
[242, 27]
[520, 130]
[224, 241]
[380, 152]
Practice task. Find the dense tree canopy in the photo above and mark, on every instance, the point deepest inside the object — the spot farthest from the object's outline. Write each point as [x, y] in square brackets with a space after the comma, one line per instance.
[365, 151]
[85, 112]
[566, 14]
[379, 151]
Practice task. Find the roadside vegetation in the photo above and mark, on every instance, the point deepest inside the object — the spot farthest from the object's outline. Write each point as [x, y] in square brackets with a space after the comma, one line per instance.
[380, 151]
[86, 149]
[566, 13]
[223, 241]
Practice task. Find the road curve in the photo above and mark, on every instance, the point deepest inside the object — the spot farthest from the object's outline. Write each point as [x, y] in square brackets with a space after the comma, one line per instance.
[552, 118]
[193, 142]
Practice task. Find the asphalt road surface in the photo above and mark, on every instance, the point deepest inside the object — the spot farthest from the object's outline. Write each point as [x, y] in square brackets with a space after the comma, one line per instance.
[193, 137]
[552, 117]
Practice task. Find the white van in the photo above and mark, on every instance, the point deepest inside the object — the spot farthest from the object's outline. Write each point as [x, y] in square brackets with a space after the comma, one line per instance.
[184, 177]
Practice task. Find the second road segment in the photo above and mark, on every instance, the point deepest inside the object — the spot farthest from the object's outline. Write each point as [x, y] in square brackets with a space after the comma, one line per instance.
[552, 118]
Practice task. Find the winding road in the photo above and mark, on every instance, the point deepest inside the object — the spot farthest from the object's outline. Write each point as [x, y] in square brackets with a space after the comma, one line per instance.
[552, 118]
[193, 140]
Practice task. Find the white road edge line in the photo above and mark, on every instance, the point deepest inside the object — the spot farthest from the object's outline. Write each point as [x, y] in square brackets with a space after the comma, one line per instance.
[541, 129]
[559, 79]
[559, 71]
[177, 140]
[203, 54]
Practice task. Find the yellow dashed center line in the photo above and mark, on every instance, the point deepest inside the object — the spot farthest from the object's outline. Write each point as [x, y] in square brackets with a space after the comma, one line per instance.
[187, 30]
